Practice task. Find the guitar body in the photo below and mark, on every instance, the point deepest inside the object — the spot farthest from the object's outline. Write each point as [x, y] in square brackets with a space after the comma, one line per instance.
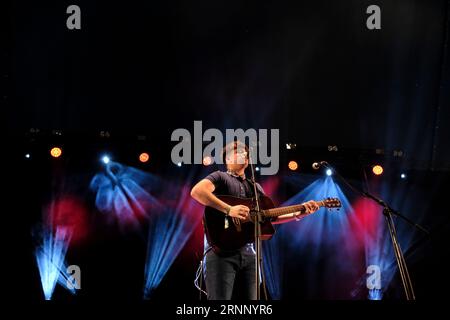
[226, 237]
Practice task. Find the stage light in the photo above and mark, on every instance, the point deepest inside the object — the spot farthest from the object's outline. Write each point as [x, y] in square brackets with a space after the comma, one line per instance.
[142, 138]
[310, 235]
[56, 152]
[329, 172]
[377, 170]
[290, 146]
[293, 165]
[207, 161]
[27, 155]
[57, 132]
[333, 148]
[403, 176]
[105, 159]
[398, 153]
[123, 192]
[168, 232]
[375, 294]
[179, 164]
[144, 157]
[105, 134]
[257, 169]
[50, 258]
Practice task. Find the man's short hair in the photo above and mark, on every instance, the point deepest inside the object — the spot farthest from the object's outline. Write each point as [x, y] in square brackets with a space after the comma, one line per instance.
[232, 147]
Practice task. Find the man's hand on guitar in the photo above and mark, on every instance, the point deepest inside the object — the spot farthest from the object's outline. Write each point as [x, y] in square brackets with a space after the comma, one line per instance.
[311, 206]
[239, 211]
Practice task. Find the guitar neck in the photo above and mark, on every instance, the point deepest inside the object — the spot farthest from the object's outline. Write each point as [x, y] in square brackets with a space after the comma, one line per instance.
[275, 212]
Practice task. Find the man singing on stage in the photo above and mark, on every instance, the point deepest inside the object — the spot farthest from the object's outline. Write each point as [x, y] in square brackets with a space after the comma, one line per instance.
[221, 269]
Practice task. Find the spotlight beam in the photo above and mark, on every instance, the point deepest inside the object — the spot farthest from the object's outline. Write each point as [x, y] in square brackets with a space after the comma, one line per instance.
[50, 260]
[389, 212]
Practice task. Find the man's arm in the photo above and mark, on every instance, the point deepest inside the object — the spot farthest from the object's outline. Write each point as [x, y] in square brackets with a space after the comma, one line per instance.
[310, 206]
[203, 193]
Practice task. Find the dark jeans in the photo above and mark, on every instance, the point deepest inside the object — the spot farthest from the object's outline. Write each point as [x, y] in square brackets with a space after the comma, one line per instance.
[223, 273]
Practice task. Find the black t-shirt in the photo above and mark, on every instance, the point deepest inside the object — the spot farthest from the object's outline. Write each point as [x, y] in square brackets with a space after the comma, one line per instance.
[230, 185]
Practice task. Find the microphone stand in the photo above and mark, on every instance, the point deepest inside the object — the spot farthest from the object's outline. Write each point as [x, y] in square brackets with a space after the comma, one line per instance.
[257, 221]
[388, 212]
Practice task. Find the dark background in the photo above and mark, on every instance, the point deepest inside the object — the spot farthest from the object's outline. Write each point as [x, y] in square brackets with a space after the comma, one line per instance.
[310, 68]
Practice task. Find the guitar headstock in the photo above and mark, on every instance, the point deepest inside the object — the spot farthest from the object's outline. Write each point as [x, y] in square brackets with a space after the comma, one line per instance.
[332, 203]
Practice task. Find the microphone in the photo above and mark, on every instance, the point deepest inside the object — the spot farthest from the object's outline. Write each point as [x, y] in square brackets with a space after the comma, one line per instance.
[317, 165]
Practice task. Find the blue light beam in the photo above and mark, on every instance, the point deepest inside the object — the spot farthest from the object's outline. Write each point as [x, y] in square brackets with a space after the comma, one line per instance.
[168, 233]
[50, 257]
[124, 192]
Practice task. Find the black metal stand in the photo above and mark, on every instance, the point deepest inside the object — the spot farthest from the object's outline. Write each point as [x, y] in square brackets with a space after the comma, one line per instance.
[258, 220]
[388, 212]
